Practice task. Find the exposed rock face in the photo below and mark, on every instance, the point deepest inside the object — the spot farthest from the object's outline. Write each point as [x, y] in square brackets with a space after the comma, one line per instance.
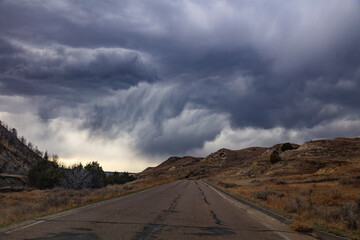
[9, 182]
[15, 156]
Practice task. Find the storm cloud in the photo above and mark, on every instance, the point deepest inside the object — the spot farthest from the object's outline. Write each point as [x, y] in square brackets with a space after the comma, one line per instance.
[178, 77]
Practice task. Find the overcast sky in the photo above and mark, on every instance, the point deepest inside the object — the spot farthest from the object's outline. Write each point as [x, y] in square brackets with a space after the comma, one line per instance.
[130, 83]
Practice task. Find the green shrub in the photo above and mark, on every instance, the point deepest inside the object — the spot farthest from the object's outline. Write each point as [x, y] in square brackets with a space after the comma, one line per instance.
[48, 174]
[45, 174]
[117, 178]
[98, 176]
[275, 157]
[286, 146]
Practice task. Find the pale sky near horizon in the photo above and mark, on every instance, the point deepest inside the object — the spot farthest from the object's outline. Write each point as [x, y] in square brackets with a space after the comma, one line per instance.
[131, 83]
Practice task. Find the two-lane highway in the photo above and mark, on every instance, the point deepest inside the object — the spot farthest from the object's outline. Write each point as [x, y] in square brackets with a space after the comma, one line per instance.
[179, 210]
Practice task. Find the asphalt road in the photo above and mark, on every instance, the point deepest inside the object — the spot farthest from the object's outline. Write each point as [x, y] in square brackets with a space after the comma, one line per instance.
[180, 210]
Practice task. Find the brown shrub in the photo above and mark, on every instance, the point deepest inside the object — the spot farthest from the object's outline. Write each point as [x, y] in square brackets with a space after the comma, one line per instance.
[306, 192]
[263, 195]
[351, 214]
[300, 226]
[355, 181]
[291, 206]
[227, 185]
[298, 204]
[346, 181]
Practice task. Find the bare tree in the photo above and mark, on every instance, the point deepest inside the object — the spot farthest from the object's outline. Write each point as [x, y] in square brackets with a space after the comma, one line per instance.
[46, 156]
[76, 178]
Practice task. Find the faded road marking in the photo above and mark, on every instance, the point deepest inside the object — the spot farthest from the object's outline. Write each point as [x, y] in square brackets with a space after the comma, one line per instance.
[25, 226]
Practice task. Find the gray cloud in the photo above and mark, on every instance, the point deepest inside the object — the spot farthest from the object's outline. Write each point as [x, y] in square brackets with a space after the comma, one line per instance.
[72, 68]
[174, 74]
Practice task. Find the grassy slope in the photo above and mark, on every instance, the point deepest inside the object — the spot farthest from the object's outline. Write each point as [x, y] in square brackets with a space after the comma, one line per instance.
[316, 186]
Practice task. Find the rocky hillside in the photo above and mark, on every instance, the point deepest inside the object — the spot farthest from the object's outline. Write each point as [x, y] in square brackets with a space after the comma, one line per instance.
[15, 156]
[174, 167]
[195, 167]
[315, 157]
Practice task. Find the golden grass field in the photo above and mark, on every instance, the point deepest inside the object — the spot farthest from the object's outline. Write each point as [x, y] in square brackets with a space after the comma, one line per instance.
[317, 185]
[332, 206]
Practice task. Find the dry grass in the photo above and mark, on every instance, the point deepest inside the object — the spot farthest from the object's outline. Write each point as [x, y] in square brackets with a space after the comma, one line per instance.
[331, 206]
[300, 226]
[17, 206]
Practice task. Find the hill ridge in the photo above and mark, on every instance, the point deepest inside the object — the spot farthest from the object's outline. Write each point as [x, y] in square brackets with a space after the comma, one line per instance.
[307, 158]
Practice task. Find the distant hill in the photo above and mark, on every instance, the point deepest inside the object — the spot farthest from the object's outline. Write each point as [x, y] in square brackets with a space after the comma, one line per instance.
[15, 156]
[336, 156]
[197, 167]
[109, 173]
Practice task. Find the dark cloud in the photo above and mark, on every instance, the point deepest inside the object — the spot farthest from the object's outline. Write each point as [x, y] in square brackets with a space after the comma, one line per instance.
[158, 69]
[70, 74]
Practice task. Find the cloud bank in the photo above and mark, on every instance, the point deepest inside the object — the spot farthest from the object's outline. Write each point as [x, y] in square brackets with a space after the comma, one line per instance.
[160, 78]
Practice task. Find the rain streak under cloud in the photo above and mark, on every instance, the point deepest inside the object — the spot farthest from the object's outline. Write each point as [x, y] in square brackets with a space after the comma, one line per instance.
[130, 83]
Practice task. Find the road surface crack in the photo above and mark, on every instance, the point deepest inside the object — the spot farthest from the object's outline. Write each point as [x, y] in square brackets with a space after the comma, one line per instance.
[204, 197]
[152, 229]
[217, 221]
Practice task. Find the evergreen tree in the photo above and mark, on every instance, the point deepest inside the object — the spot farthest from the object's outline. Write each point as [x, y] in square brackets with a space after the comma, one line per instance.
[97, 173]
[275, 157]
[286, 146]
[46, 156]
[45, 174]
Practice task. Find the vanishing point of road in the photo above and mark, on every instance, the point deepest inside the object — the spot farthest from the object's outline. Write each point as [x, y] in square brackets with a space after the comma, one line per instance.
[184, 209]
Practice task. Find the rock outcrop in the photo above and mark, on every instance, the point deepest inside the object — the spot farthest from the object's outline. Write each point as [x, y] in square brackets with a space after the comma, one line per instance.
[15, 156]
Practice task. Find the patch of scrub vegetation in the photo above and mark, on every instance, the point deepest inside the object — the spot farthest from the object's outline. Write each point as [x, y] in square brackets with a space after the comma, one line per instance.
[49, 174]
[286, 146]
[330, 206]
